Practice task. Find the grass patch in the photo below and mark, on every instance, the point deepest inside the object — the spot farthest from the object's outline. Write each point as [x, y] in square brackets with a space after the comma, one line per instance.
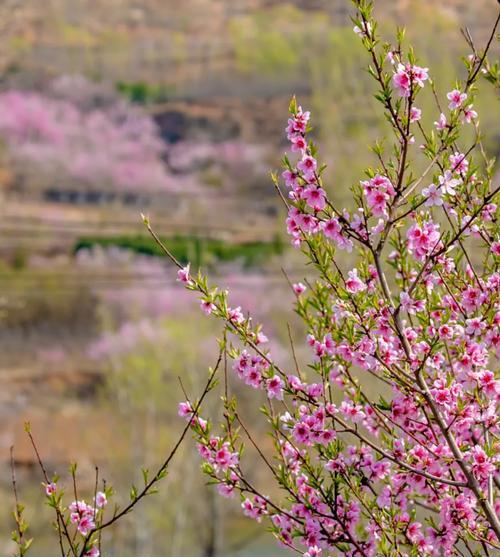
[199, 251]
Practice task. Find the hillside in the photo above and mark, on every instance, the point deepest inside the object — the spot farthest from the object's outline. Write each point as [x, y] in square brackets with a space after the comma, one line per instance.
[188, 46]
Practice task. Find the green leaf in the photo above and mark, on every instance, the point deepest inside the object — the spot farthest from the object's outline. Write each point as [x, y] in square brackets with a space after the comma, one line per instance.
[133, 493]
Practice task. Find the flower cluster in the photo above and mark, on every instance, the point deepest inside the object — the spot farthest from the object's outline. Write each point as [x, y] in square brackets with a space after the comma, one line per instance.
[254, 370]
[423, 239]
[303, 180]
[83, 516]
[408, 77]
[378, 191]
[309, 213]
[218, 454]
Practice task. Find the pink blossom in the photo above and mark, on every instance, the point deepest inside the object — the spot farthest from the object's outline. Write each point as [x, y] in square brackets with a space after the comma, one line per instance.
[445, 332]
[291, 178]
[380, 469]
[299, 144]
[226, 490]
[481, 464]
[471, 298]
[415, 114]
[261, 338]
[420, 75]
[475, 326]
[235, 315]
[433, 195]
[459, 163]
[100, 500]
[308, 223]
[407, 75]
[488, 212]
[312, 551]
[402, 81]
[253, 378]
[384, 499]
[297, 125]
[183, 275]
[315, 197]
[423, 239]
[488, 383]
[207, 307]
[353, 283]
[456, 99]
[442, 396]
[377, 201]
[301, 432]
[185, 410]
[447, 183]
[351, 411]
[224, 458]
[301, 119]
[295, 383]
[383, 183]
[378, 192]
[469, 114]
[255, 509]
[332, 228]
[82, 515]
[409, 304]
[308, 166]
[50, 489]
[441, 123]
[275, 387]
[315, 390]
[299, 288]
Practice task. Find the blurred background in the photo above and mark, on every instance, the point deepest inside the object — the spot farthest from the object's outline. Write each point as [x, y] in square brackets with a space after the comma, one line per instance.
[110, 108]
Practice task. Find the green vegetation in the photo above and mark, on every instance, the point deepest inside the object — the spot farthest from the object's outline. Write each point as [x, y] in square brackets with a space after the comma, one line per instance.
[141, 92]
[199, 251]
[273, 42]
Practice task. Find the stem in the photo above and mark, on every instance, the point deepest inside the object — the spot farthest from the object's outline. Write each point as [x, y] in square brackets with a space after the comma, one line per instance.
[59, 515]
[18, 508]
[483, 58]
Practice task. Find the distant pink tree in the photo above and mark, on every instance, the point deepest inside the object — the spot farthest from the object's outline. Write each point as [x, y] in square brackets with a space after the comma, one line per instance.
[73, 138]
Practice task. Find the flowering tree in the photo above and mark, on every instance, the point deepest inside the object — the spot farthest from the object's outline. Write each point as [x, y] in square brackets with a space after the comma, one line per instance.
[81, 136]
[411, 470]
